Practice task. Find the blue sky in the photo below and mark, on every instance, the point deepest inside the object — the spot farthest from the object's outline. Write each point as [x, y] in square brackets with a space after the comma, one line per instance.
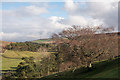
[56, 10]
[26, 21]
[13, 5]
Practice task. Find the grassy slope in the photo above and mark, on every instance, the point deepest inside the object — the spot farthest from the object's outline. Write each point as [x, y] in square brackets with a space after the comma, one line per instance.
[43, 41]
[17, 54]
[9, 64]
[104, 69]
[13, 58]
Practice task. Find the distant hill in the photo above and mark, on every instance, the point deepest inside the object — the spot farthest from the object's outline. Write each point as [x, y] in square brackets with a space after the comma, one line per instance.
[4, 43]
[49, 40]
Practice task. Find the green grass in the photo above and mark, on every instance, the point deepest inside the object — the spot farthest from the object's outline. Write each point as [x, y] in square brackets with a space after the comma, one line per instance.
[9, 64]
[10, 59]
[18, 54]
[41, 40]
[104, 69]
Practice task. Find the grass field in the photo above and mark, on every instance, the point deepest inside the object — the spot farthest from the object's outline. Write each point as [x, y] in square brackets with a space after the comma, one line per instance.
[9, 64]
[104, 69]
[10, 59]
[18, 54]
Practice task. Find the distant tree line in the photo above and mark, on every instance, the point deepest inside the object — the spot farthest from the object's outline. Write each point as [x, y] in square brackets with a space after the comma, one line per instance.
[26, 46]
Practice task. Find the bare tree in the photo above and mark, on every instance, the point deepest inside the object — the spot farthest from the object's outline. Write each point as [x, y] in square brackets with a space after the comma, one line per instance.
[83, 46]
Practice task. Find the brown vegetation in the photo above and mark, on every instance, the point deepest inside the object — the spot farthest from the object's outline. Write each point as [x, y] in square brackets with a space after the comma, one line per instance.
[83, 46]
[3, 44]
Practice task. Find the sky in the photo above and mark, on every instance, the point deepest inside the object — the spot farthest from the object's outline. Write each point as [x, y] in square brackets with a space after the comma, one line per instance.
[27, 21]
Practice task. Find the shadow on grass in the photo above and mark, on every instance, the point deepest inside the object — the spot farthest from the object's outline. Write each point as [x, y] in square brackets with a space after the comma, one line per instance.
[9, 70]
[13, 68]
[99, 70]
[6, 71]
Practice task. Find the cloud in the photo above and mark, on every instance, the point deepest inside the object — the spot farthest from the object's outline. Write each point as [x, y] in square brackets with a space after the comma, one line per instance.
[11, 36]
[27, 23]
[85, 13]
[32, 0]
[55, 18]
[58, 23]
[70, 5]
[77, 20]
[32, 10]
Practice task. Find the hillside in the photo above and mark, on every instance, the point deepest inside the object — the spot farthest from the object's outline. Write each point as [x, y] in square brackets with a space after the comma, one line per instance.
[103, 69]
[47, 41]
[4, 43]
[12, 58]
